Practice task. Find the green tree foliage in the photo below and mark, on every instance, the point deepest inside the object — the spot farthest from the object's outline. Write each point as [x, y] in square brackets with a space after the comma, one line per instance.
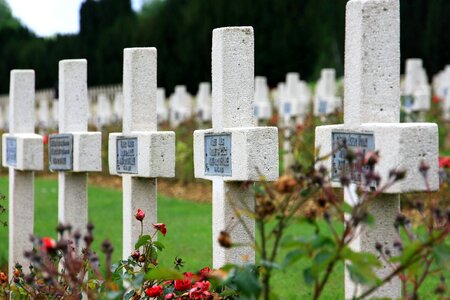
[290, 35]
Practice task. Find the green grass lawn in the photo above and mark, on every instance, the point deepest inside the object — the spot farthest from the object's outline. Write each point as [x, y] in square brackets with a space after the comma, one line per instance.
[189, 234]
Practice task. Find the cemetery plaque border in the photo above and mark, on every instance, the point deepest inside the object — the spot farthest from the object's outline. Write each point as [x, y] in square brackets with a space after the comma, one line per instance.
[11, 151]
[338, 160]
[67, 157]
[127, 168]
[223, 167]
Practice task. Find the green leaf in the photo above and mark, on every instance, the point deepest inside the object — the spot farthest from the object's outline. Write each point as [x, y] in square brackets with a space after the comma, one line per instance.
[163, 273]
[293, 256]
[362, 274]
[308, 276]
[442, 255]
[159, 245]
[142, 241]
[360, 258]
[247, 282]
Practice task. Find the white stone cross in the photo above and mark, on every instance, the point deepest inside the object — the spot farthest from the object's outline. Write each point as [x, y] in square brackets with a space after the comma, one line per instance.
[325, 100]
[118, 107]
[263, 109]
[372, 114]
[203, 102]
[43, 112]
[417, 92]
[180, 106]
[140, 153]
[104, 110]
[234, 150]
[73, 151]
[23, 153]
[161, 107]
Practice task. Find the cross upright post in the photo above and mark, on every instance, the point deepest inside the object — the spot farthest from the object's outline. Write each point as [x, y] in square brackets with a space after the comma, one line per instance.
[73, 151]
[140, 153]
[23, 154]
[371, 116]
[234, 150]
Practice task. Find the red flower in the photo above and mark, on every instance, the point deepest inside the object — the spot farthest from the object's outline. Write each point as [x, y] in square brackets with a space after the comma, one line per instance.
[154, 291]
[45, 139]
[200, 290]
[204, 273]
[140, 215]
[182, 284]
[444, 162]
[48, 244]
[160, 227]
[170, 296]
[436, 99]
[3, 278]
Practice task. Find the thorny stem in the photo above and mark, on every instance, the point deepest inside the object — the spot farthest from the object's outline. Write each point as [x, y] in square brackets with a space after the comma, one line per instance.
[413, 258]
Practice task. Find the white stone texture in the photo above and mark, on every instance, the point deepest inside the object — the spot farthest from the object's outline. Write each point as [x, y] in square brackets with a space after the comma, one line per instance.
[232, 102]
[73, 118]
[263, 108]
[161, 107]
[372, 104]
[156, 150]
[156, 153]
[254, 154]
[203, 104]
[372, 62]
[416, 85]
[29, 151]
[104, 111]
[21, 183]
[43, 113]
[325, 99]
[181, 107]
[118, 107]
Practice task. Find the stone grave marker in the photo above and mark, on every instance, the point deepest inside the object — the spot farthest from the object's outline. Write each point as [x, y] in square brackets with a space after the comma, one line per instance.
[104, 110]
[23, 154]
[416, 92]
[234, 150]
[371, 122]
[118, 107]
[43, 113]
[325, 100]
[73, 151]
[140, 153]
[263, 108]
[161, 107]
[203, 104]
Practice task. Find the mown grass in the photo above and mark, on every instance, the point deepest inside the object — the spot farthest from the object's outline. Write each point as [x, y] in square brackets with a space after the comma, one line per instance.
[189, 235]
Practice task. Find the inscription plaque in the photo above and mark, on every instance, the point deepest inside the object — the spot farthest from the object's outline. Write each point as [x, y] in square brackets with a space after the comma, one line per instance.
[127, 150]
[341, 141]
[218, 154]
[11, 151]
[408, 102]
[60, 152]
[256, 111]
[287, 108]
[322, 106]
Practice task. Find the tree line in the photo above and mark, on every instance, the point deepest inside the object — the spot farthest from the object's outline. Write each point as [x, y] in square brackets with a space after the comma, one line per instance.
[290, 35]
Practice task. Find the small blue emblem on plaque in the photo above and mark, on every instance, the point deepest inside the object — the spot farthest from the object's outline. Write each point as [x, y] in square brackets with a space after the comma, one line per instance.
[11, 151]
[127, 153]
